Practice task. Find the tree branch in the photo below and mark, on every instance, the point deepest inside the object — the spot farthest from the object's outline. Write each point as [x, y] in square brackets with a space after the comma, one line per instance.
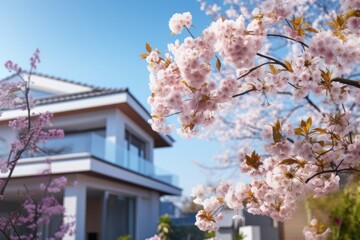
[243, 93]
[254, 68]
[332, 171]
[312, 104]
[273, 59]
[289, 38]
[353, 83]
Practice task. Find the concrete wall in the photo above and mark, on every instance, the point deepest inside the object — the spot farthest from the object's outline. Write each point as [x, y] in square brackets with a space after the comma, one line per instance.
[292, 229]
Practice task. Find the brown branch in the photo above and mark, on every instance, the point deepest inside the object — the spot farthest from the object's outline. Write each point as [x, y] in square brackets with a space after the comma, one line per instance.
[349, 82]
[289, 38]
[332, 171]
[273, 59]
[254, 68]
[243, 93]
[188, 30]
[312, 104]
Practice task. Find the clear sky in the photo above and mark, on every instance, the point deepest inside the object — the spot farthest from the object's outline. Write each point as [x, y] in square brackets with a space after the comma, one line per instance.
[99, 42]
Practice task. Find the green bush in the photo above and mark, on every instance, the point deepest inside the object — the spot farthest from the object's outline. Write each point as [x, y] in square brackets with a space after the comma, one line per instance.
[168, 231]
[340, 211]
[126, 237]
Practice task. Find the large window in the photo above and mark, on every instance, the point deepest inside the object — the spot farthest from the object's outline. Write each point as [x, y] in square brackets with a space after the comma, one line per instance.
[135, 146]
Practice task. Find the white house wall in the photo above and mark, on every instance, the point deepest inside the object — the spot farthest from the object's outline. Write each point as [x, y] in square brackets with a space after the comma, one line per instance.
[115, 122]
[147, 202]
[73, 105]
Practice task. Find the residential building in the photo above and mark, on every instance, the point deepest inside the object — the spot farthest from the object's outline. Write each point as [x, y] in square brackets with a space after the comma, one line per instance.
[107, 151]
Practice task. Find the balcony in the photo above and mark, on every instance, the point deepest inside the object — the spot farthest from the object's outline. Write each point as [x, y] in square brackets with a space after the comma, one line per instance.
[103, 149]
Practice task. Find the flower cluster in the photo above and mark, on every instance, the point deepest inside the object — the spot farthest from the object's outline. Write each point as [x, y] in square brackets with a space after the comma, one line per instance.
[179, 21]
[32, 212]
[30, 135]
[316, 231]
[294, 162]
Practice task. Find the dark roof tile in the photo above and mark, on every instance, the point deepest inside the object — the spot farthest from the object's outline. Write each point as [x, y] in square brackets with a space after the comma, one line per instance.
[77, 96]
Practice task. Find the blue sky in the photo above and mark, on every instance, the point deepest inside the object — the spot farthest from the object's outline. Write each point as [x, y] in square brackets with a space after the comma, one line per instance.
[99, 42]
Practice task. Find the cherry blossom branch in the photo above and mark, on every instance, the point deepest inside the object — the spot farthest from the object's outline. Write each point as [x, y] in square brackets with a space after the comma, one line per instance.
[243, 93]
[349, 82]
[307, 98]
[254, 68]
[12, 164]
[188, 30]
[332, 171]
[312, 104]
[273, 59]
[289, 38]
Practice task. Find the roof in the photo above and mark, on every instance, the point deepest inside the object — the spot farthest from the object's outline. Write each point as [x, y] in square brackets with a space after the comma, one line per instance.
[55, 78]
[76, 96]
[85, 91]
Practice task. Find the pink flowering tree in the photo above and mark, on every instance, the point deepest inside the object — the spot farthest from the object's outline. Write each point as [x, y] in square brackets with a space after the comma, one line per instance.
[35, 208]
[297, 109]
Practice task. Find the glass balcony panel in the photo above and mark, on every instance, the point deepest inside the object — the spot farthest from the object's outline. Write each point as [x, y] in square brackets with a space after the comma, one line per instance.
[103, 149]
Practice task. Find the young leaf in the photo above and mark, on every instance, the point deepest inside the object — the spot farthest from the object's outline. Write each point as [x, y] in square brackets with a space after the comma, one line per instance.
[299, 131]
[288, 66]
[310, 29]
[303, 124]
[144, 55]
[288, 161]
[320, 130]
[308, 124]
[272, 69]
[276, 132]
[218, 64]
[148, 47]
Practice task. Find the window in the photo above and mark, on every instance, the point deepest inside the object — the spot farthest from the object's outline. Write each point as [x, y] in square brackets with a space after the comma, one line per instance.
[134, 145]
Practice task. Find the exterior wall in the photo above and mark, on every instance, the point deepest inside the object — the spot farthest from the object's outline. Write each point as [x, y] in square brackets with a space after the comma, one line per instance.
[292, 229]
[90, 214]
[89, 210]
[147, 202]
[7, 134]
[147, 215]
[115, 122]
[269, 229]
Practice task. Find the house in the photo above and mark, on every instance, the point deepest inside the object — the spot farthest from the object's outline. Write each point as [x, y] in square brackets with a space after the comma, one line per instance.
[107, 150]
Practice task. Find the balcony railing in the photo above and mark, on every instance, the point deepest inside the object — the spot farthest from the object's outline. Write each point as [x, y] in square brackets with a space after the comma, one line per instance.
[103, 149]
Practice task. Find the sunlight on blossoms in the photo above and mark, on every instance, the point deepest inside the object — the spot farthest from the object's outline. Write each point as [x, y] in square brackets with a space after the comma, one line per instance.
[301, 103]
